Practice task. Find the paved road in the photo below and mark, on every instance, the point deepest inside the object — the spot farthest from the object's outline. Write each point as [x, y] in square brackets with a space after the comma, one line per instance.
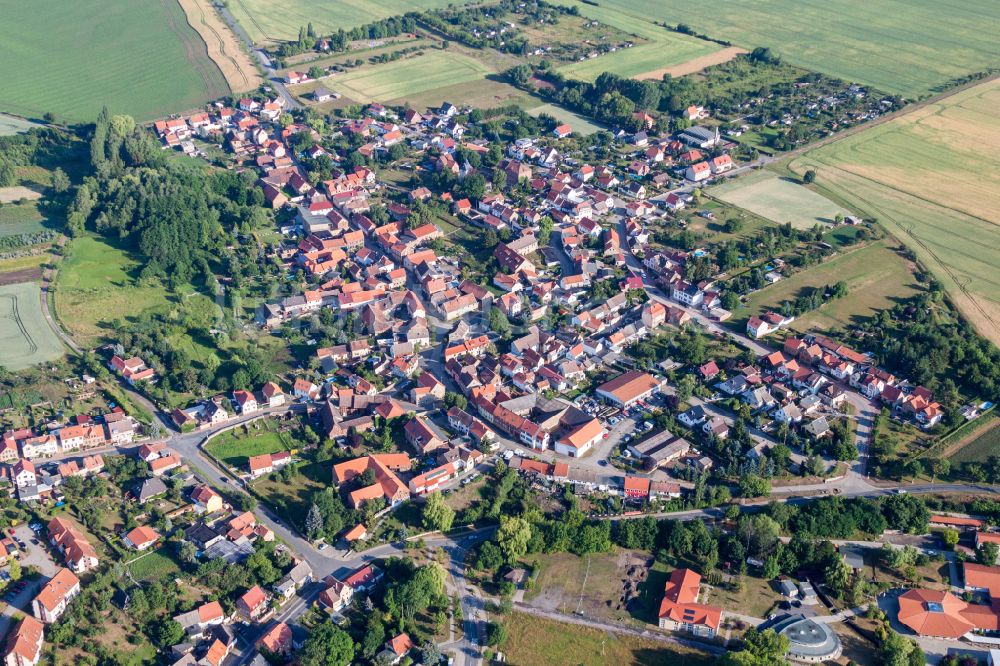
[265, 64]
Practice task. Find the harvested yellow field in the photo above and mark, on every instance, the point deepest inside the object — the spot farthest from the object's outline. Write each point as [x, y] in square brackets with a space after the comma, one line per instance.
[223, 46]
[932, 177]
[694, 65]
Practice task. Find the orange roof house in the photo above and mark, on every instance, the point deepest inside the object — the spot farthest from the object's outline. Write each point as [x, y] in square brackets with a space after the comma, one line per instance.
[982, 577]
[957, 521]
[386, 485]
[24, 644]
[680, 608]
[278, 640]
[936, 613]
[628, 388]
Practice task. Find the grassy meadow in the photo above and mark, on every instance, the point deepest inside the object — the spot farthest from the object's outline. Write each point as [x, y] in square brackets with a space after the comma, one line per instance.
[535, 640]
[72, 58]
[97, 283]
[932, 177]
[399, 79]
[662, 48]
[876, 276]
[778, 199]
[580, 124]
[907, 47]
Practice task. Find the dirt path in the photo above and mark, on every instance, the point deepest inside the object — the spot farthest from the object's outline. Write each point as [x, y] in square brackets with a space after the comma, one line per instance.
[223, 47]
[694, 65]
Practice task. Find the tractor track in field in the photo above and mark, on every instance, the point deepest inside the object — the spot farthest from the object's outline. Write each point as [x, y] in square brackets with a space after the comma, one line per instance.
[15, 316]
[191, 52]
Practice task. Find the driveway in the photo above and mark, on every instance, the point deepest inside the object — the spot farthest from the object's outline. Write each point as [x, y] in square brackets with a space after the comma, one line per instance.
[31, 556]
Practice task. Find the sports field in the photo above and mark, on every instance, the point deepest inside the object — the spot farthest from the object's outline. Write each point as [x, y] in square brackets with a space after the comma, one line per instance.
[580, 124]
[72, 58]
[877, 278]
[662, 50]
[779, 199]
[932, 177]
[907, 47]
[25, 337]
[265, 20]
[396, 80]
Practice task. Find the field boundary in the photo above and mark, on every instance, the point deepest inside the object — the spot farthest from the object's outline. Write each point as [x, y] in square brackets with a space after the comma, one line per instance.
[976, 429]
[198, 64]
[694, 65]
[237, 67]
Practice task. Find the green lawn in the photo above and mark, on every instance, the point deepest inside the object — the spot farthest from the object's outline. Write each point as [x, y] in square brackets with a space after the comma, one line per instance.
[580, 124]
[415, 74]
[932, 177]
[234, 447]
[154, 566]
[876, 276]
[778, 199]
[907, 47]
[72, 58]
[534, 640]
[483, 93]
[25, 337]
[663, 48]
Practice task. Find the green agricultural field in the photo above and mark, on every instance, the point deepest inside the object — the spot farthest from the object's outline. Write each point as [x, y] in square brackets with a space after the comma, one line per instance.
[265, 20]
[72, 58]
[23, 218]
[25, 337]
[234, 447]
[982, 447]
[876, 276]
[580, 124]
[535, 640]
[661, 50]
[778, 199]
[417, 74]
[932, 177]
[909, 47]
[98, 283]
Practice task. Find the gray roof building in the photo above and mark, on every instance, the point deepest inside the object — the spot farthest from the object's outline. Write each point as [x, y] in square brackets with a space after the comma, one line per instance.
[808, 641]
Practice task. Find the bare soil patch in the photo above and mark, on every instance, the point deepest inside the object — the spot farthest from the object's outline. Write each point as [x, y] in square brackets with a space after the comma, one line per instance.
[223, 46]
[18, 192]
[23, 275]
[695, 64]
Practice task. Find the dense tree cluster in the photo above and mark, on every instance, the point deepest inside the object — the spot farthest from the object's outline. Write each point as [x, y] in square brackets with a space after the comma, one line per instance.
[927, 343]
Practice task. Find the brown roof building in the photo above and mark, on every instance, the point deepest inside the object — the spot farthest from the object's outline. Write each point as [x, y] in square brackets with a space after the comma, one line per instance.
[627, 389]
